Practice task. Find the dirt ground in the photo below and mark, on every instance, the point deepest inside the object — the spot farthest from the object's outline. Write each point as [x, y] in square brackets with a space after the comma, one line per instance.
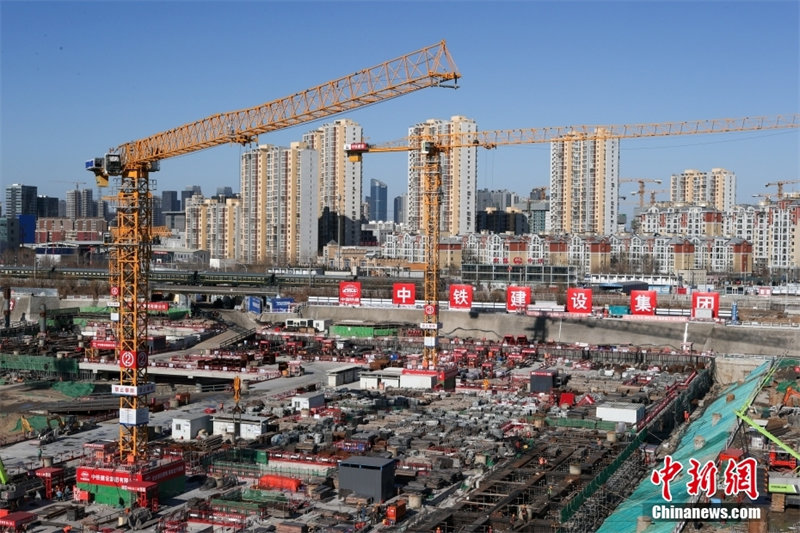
[22, 399]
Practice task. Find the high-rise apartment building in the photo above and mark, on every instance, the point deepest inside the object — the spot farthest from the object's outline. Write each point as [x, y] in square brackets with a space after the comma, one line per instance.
[714, 189]
[340, 182]
[584, 186]
[378, 192]
[279, 205]
[20, 200]
[80, 204]
[459, 170]
[213, 224]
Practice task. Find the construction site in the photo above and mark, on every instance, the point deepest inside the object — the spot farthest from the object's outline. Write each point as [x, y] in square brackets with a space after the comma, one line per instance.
[294, 429]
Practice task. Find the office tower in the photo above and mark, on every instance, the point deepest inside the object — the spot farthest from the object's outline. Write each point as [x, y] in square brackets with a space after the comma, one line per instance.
[400, 206]
[187, 193]
[340, 179]
[378, 192]
[715, 189]
[169, 201]
[584, 186]
[225, 192]
[20, 200]
[459, 172]
[46, 207]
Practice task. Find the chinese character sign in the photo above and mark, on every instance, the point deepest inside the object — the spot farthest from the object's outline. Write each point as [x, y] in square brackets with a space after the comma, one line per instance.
[517, 298]
[579, 300]
[643, 302]
[350, 293]
[739, 477]
[461, 297]
[705, 301]
[403, 294]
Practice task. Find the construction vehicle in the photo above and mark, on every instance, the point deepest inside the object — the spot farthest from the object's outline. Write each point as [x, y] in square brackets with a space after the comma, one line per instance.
[783, 486]
[432, 146]
[132, 163]
[66, 425]
[789, 396]
[13, 489]
[27, 428]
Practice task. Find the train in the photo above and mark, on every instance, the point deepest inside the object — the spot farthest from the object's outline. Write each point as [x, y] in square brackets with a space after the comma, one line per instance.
[191, 277]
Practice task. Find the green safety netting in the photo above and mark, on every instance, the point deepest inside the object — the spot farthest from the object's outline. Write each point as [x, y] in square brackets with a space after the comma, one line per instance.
[37, 423]
[74, 389]
[624, 519]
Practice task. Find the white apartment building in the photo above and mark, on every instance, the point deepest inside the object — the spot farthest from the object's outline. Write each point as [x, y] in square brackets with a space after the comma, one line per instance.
[584, 186]
[716, 188]
[340, 182]
[459, 174]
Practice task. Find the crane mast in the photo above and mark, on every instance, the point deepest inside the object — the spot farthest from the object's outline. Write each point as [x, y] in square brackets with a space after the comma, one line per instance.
[134, 161]
[431, 203]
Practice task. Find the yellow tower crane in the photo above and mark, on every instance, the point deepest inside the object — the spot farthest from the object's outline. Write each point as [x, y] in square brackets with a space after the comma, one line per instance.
[132, 163]
[652, 196]
[780, 184]
[433, 146]
[640, 191]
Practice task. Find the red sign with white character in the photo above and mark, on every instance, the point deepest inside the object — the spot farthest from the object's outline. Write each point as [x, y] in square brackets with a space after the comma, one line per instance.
[403, 294]
[127, 359]
[643, 302]
[517, 298]
[461, 297]
[702, 301]
[579, 300]
[350, 293]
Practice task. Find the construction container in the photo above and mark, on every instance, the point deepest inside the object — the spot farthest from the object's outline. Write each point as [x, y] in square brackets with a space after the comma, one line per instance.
[185, 428]
[291, 527]
[275, 481]
[630, 413]
[396, 511]
[543, 380]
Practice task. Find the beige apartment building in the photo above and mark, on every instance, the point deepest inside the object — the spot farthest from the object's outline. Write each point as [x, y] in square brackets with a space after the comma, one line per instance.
[584, 186]
[459, 172]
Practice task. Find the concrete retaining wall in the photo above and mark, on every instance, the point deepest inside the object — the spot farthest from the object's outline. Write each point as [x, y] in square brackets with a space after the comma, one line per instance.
[704, 336]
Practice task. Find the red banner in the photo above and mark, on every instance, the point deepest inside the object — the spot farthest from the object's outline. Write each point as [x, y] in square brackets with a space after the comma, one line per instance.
[158, 306]
[349, 293]
[403, 294]
[517, 298]
[579, 300]
[703, 301]
[461, 297]
[100, 344]
[643, 302]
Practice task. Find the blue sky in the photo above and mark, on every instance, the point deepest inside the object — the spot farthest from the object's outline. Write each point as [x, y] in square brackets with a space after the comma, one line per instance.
[81, 77]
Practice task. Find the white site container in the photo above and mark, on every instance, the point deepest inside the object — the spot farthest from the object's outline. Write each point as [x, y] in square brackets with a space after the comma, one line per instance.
[630, 413]
[186, 427]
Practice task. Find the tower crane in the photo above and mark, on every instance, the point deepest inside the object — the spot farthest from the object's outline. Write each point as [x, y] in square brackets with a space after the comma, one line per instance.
[652, 196]
[780, 184]
[432, 146]
[640, 191]
[133, 162]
